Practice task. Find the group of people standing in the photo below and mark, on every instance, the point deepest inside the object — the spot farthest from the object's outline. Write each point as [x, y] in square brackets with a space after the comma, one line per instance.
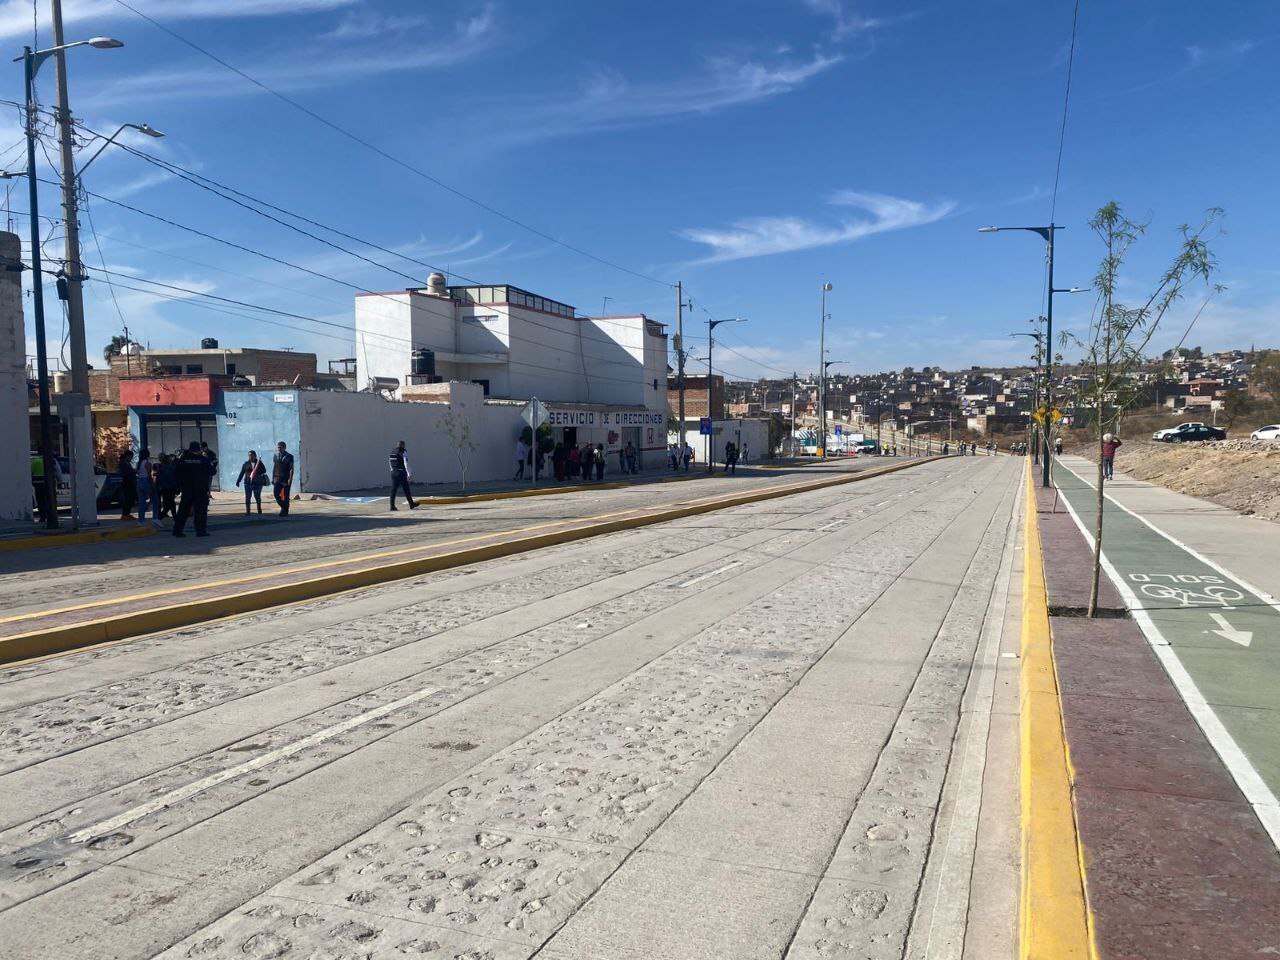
[179, 486]
[585, 462]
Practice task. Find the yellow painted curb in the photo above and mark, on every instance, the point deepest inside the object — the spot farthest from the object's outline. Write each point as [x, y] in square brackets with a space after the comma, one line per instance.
[127, 532]
[1054, 922]
[39, 643]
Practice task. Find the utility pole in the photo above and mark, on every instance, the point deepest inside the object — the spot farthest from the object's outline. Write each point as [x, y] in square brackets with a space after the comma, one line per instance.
[680, 359]
[86, 507]
[795, 388]
[822, 372]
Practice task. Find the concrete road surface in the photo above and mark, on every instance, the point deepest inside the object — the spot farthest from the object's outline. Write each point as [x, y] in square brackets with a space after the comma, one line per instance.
[779, 730]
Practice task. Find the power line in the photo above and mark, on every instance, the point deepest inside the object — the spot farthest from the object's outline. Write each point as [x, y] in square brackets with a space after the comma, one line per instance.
[417, 171]
[215, 187]
[1066, 100]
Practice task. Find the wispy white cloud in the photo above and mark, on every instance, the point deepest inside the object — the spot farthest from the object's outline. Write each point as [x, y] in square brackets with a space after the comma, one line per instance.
[15, 15]
[610, 101]
[363, 24]
[1200, 56]
[762, 236]
[310, 66]
[845, 23]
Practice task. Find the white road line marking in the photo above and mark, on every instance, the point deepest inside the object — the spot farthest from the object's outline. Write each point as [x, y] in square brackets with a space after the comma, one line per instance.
[708, 575]
[1251, 784]
[257, 763]
[833, 524]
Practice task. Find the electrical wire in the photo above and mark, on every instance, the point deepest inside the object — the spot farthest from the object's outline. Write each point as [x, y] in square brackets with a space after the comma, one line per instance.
[1066, 100]
[217, 188]
[355, 138]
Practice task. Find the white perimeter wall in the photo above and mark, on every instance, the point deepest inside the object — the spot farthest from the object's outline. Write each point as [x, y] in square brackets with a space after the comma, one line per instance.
[348, 437]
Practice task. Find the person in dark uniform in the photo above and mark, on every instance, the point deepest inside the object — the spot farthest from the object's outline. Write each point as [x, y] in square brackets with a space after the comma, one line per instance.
[282, 477]
[401, 475]
[193, 482]
[211, 457]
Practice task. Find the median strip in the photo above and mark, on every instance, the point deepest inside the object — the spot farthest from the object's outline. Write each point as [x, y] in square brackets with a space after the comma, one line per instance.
[69, 628]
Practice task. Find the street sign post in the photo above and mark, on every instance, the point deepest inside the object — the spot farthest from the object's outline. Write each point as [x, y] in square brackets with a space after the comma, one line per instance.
[535, 414]
[704, 426]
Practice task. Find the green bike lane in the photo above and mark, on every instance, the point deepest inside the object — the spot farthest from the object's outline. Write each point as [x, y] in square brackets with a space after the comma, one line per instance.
[1217, 636]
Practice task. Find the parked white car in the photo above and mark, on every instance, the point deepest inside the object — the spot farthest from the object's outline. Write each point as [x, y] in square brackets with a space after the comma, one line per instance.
[1271, 432]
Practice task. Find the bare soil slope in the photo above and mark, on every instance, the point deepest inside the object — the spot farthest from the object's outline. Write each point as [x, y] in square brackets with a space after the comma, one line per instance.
[1241, 474]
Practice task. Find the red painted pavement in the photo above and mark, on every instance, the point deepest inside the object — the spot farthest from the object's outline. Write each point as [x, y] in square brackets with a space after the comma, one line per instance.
[1176, 863]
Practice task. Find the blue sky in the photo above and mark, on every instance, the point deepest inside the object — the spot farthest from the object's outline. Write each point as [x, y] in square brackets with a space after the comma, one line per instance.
[752, 149]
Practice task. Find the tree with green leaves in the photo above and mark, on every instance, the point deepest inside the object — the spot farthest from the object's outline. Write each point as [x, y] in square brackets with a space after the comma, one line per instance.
[115, 348]
[1119, 332]
[1266, 373]
[1236, 404]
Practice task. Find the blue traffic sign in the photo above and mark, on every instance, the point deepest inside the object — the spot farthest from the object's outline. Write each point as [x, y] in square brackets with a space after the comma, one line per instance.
[704, 426]
[839, 430]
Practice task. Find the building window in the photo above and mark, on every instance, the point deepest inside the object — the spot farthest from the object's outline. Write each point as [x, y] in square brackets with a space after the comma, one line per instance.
[231, 369]
[483, 383]
[195, 368]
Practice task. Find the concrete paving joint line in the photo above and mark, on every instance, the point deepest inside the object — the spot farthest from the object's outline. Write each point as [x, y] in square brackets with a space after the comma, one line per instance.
[1054, 919]
[109, 629]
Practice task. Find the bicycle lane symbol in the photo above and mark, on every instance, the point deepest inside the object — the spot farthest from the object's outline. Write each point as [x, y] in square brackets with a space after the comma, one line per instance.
[1187, 589]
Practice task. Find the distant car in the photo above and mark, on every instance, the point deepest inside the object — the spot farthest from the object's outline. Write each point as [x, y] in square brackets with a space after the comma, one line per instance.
[1270, 432]
[1187, 432]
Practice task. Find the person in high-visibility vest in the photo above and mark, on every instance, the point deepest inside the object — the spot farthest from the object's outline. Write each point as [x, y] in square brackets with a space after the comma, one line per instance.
[38, 481]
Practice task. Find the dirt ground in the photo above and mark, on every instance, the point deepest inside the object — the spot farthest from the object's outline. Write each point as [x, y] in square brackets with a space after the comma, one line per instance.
[1241, 474]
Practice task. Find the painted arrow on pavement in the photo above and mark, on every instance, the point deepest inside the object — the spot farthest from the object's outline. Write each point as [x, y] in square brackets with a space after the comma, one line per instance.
[1227, 631]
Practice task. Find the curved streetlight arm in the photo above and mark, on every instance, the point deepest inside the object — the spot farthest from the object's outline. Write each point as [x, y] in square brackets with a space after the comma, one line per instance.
[38, 57]
[146, 128]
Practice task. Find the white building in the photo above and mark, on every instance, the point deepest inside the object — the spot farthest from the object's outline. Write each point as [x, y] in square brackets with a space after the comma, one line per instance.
[603, 378]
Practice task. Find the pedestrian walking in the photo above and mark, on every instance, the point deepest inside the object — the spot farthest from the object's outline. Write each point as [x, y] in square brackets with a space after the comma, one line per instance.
[148, 495]
[630, 454]
[1110, 444]
[167, 483]
[745, 451]
[253, 474]
[673, 455]
[522, 454]
[211, 457]
[946, 448]
[401, 475]
[282, 477]
[599, 462]
[1057, 446]
[687, 457]
[622, 460]
[730, 457]
[128, 484]
[193, 483]
[587, 461]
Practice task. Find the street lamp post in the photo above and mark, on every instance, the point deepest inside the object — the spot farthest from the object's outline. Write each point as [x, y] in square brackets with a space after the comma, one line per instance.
[1035, 393]
[81, 430]
[1047, 233]
[711, 437]
[49, 491]
[822, 369]
[826, 364]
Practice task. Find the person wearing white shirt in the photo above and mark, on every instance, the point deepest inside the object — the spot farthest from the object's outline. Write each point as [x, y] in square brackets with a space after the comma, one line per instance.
[522, 454]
